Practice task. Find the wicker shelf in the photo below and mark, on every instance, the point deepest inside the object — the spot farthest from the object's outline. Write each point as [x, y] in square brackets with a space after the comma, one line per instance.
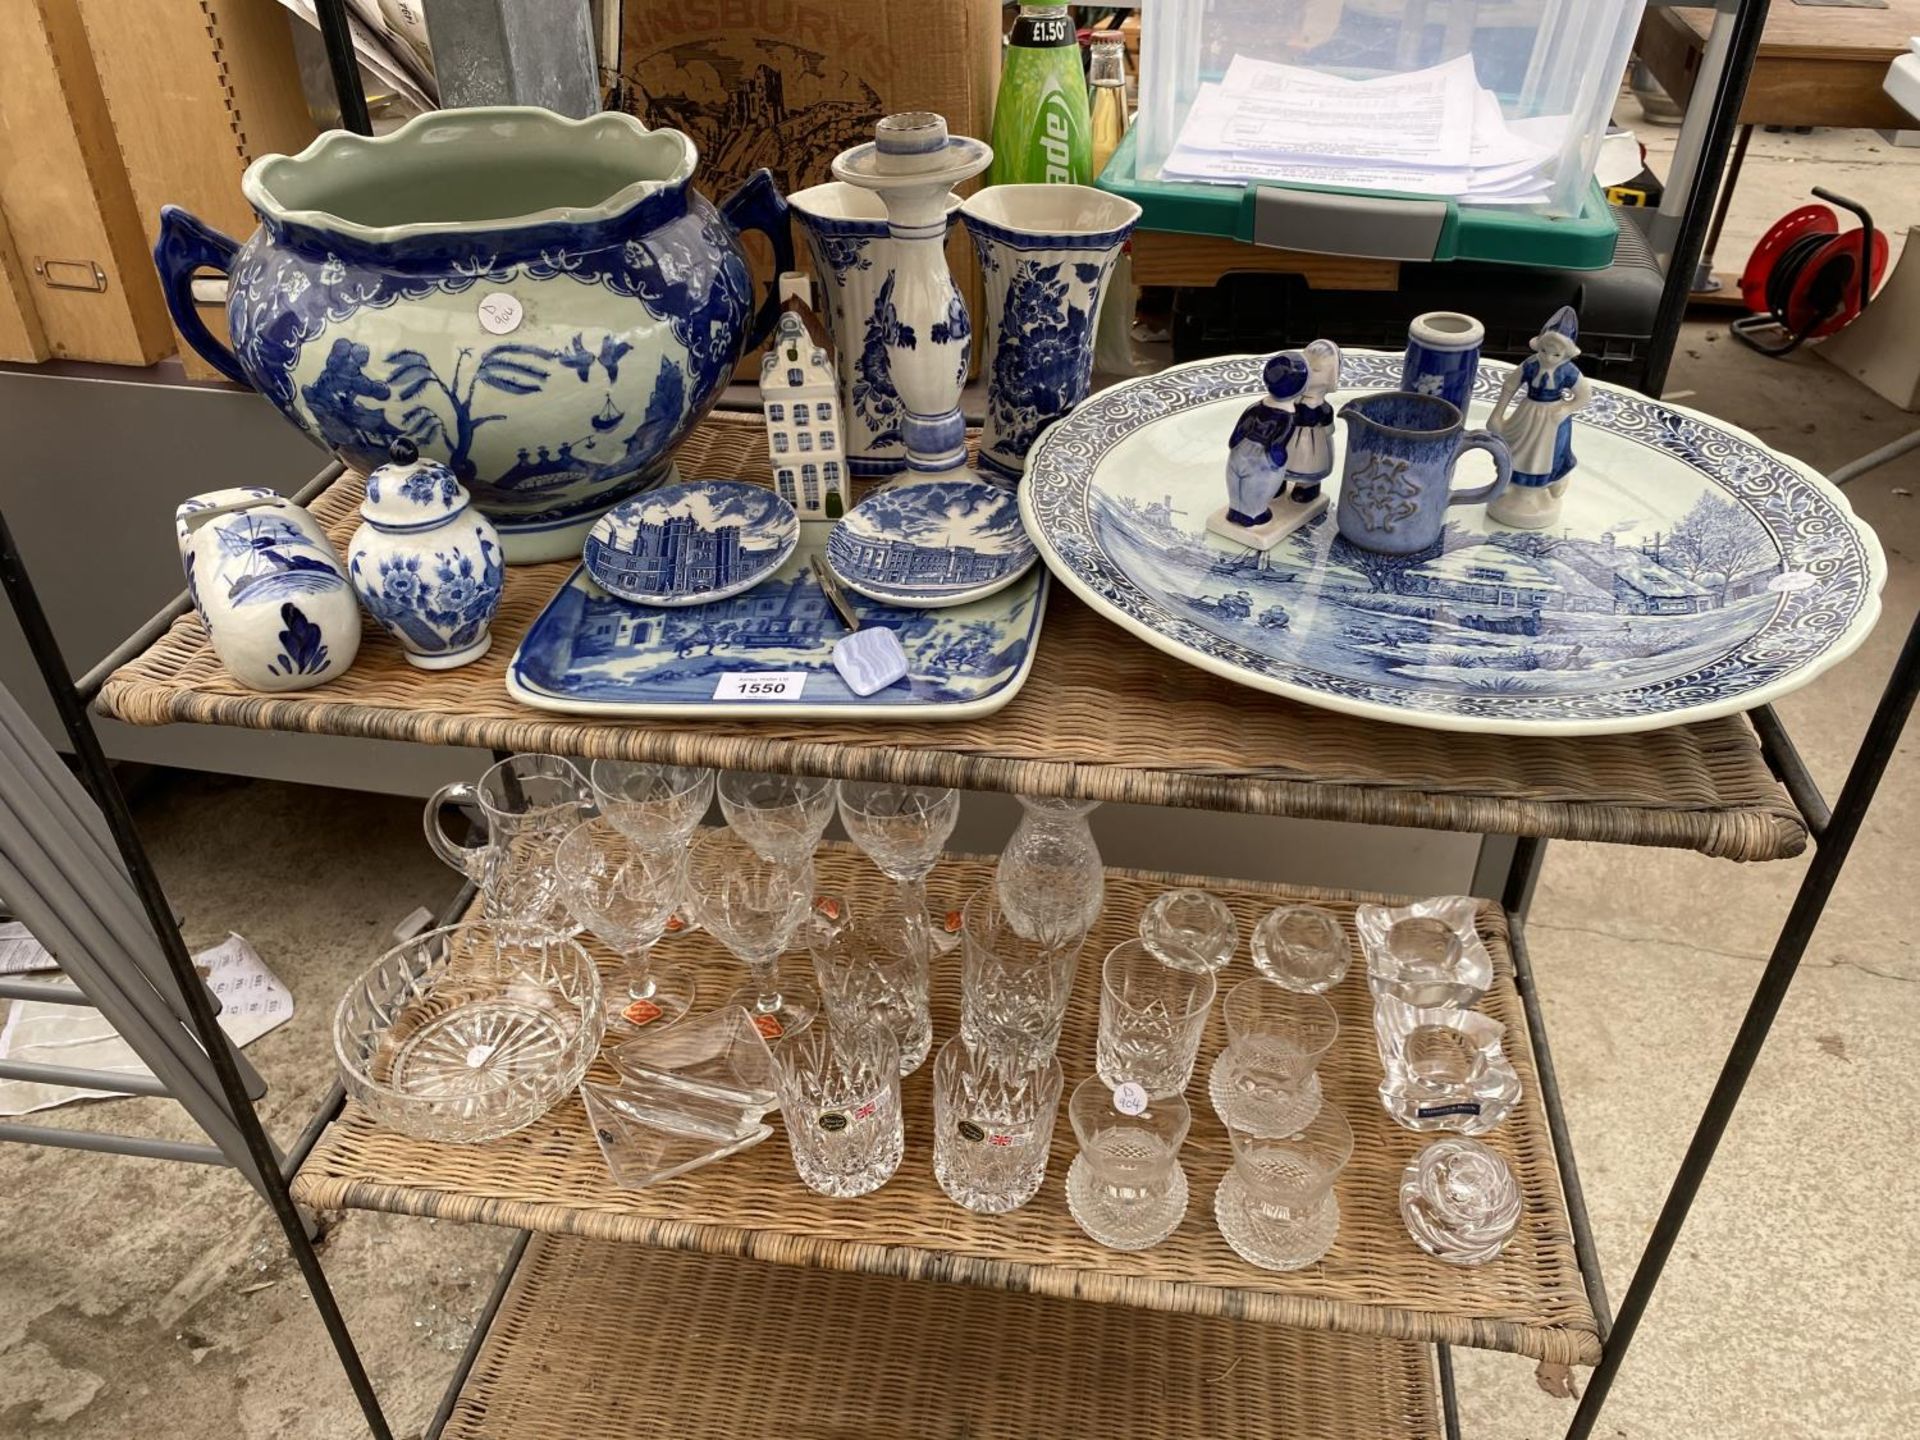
[550, 1178]
[1103, 716]
[572, 1355]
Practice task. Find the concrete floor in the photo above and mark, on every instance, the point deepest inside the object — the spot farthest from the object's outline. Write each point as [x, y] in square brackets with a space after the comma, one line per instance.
[150, 1299]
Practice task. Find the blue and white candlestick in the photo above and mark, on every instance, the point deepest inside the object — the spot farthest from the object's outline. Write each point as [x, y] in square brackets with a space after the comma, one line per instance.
[911, 164]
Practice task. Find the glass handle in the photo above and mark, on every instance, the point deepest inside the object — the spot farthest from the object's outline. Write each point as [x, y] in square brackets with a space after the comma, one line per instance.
[463, 858]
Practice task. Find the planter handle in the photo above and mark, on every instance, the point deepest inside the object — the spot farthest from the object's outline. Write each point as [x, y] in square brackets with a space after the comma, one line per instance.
[759, 205]
[188, 245]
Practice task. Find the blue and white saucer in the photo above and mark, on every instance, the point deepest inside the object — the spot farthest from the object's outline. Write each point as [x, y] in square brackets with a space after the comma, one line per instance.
[927, 543]
[688, 544]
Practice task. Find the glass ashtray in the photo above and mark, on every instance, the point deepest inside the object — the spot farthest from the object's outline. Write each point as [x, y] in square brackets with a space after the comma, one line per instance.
[1428, 954]
[1445, 1068]
[465, 1034]
[685, 1097]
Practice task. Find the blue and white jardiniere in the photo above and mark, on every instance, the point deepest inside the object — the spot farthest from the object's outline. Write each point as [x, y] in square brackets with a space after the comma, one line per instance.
[270, 590]
[425, 563]
[1046, 252]
[845, 229]
[545, 305]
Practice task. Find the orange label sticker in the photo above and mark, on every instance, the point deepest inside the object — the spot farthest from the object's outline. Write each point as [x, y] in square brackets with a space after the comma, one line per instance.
[953, 922]
[641, 1012]
[828, 906]
[768, 1026]
[675, 924]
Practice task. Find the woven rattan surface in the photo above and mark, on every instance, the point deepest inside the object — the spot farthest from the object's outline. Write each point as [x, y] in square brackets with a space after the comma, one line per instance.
[602, 1340]
[550, 1177]
[1102, 715]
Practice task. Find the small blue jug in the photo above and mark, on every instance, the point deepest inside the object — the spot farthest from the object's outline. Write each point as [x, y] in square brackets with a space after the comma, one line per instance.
[1395, 486]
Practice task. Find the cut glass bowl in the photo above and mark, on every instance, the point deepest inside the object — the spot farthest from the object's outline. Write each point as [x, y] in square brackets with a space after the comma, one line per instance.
[464, 1034]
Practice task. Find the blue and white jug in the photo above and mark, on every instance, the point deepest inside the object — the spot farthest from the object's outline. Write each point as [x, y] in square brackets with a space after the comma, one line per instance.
[270, 590]
[425, 563]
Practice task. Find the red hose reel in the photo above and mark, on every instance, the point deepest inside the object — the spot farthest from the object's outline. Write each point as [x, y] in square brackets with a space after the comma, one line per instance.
[1806, 278]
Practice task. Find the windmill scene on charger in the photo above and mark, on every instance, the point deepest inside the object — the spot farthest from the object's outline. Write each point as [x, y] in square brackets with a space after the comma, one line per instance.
[1611, 599]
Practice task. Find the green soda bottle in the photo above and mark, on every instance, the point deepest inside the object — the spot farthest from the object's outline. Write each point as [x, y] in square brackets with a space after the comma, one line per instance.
[1041, 131]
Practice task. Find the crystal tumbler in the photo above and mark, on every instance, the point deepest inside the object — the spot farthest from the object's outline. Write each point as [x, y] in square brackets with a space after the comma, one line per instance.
[1460, 1201]
[1125, 1188]
[1301, 947]
[1276, 1206]
[1190, 930]
[839, 1092]
[1265, 1081]
[1151, 1018]
[874, 968]
[1013, 991]
[992, 1126]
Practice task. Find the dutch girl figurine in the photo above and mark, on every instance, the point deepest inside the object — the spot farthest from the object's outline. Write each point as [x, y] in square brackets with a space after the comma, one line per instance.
[1310, 450]
[1257, 463]
[1537, 423]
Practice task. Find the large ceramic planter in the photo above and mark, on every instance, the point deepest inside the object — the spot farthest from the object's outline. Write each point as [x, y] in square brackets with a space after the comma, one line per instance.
[546, 305]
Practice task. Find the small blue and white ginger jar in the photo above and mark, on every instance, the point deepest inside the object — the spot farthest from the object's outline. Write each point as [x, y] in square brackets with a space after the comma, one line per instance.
[425, 562]
[271, 593]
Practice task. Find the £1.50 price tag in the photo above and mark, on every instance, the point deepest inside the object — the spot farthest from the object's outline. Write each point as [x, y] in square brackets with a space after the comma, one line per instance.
[761, 685]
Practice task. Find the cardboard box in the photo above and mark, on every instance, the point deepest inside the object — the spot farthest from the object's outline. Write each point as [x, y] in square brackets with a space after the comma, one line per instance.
[788, 84]
[197, 93]
[83, 261]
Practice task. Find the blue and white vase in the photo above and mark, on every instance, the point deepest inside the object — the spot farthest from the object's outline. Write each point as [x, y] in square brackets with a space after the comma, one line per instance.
[545, 305]
[425, 562]
[1046, 254]
[1443, 356]
[845, 229]
[270, 590]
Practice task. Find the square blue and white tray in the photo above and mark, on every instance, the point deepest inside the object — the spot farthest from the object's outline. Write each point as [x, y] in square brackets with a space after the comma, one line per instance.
[768, 653]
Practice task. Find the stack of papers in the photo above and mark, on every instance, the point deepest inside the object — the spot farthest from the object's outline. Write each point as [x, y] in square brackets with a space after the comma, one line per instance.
[1427, 132]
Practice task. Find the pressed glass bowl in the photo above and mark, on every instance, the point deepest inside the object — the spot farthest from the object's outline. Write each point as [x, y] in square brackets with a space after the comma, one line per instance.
[465, 1034]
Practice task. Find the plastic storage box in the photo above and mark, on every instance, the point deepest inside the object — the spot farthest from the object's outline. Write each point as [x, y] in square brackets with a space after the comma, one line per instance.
[1554, 67]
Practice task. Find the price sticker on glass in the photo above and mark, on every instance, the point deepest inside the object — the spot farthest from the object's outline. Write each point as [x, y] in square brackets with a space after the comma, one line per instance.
[761, 685]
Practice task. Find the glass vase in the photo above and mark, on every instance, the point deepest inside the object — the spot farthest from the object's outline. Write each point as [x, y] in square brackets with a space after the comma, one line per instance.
[1050, 879]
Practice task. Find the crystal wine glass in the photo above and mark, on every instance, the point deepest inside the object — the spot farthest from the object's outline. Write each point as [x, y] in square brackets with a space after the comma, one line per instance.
[902, 829]
[625, 895]
[781, 816]
[658, 807]
[755, 907]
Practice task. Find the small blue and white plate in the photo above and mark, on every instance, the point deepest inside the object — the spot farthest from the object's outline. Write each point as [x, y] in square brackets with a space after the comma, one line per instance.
[927, 543]
[688, 544]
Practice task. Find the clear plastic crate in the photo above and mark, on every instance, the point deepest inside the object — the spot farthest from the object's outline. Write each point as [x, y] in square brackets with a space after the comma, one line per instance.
[1539, 58]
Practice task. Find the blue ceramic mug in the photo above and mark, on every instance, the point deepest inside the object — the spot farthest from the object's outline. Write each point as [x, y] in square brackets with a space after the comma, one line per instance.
[1397, 482]
[1443, 356]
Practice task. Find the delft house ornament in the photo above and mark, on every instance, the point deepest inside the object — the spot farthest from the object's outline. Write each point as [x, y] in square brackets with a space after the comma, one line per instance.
[1534, 415]
[1260, 511]
[806, 443]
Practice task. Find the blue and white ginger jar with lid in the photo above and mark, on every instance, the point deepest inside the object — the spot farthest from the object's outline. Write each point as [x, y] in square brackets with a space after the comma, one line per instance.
[425, 563]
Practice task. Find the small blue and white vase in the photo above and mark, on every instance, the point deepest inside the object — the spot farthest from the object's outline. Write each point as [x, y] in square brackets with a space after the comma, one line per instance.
[271, 593]
[1443, 356]
[845, 229]
[1046, 253]
[425, 563]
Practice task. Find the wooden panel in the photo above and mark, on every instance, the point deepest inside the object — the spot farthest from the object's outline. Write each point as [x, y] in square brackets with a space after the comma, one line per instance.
[21, 336]
[1161, 257]
[197, 90]
[1798, 79]
[66, 198]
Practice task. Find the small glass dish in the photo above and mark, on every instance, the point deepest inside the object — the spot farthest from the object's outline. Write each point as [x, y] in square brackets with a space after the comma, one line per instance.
[1460, 1201]
[1428, 954]
[712, 1074]
[1445, 1068]
[1190, 930]
[465, 1034]
[644, 1144]
[1301, 947]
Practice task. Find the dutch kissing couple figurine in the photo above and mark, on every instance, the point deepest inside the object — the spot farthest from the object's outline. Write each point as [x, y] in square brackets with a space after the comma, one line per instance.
[1402, 445]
